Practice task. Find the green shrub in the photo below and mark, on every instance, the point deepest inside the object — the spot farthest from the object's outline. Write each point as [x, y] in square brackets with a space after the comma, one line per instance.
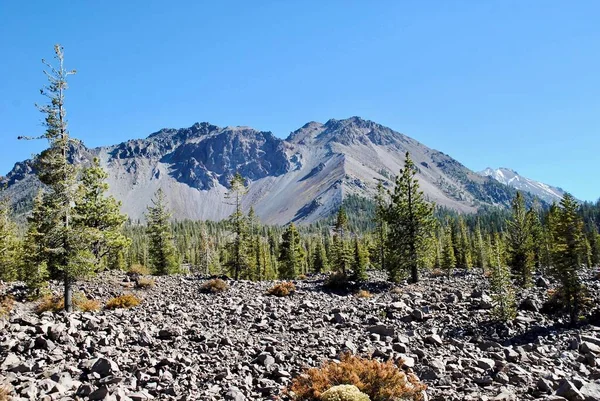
[282, 289]
[337, 281]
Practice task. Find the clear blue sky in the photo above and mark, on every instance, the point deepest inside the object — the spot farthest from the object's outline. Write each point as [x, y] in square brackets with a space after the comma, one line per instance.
[492, 83]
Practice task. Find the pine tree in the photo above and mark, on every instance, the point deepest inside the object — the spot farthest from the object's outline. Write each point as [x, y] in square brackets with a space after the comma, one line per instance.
[567, 255]
[66, 245]
[101, 215]
[320, 263]
[594, 241]
[380, 226]
[290, 253]
[238, 222]
[34, 265]
[448, 262]
[410, 221]
[480, 249]
[537, 236]
[341, 257]
[9, 245]
[463, 256]
[503, 294]
[360, 261]
[520, 241]
[162, 253]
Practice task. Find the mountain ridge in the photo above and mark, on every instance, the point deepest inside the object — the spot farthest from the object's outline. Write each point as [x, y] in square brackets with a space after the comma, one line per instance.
[513, 179]
[302, 178]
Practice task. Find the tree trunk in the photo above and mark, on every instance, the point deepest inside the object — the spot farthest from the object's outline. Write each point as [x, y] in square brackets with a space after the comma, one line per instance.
[68, 293]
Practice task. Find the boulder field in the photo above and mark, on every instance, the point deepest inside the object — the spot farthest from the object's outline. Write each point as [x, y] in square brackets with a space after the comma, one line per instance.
[183, 344]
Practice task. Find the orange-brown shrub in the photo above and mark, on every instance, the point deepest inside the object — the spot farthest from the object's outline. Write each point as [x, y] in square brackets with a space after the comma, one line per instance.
[7, 303]
[282, 289]
[364, 294]
[124, 301]
[215, 285]
[302, 277]
[88, 305]
[50, 303]
[438, 273]
[56, 303]
[381, 381]
[4, 393]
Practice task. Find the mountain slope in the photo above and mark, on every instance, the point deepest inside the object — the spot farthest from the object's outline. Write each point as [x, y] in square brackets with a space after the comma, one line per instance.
[511, 178]
[303, 178]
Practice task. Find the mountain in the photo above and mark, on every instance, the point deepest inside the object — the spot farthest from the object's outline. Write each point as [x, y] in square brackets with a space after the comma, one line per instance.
[511, 178]
[303, 178]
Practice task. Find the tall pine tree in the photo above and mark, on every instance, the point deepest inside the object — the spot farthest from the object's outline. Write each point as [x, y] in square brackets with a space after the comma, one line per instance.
[162, 253]
[568, 254]
[67, 246]
[410, 221]
[238, 263]
[290, 253]
[520, 242]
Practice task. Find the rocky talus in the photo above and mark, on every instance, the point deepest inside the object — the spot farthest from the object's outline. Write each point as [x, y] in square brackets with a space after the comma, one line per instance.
[182, 344]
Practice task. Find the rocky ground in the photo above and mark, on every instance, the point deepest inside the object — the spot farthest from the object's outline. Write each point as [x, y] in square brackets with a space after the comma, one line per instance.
[182, 344]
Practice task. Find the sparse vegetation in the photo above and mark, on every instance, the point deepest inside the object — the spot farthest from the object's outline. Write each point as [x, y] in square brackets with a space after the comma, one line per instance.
[336, 281]
[140, 269]
[364, 294]
[87, 305]
[4, 393]
[145, 282]
[50, 303]
[124, 301]
[381, 381]
[214, 286]
[56, 303]
[344, 392]
[7, 303]
[282, 289]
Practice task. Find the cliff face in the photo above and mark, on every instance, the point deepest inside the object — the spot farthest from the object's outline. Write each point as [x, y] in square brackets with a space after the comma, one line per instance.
[303, 178]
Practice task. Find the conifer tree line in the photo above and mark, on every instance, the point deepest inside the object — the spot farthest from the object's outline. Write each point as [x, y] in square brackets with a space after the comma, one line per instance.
[76, 229]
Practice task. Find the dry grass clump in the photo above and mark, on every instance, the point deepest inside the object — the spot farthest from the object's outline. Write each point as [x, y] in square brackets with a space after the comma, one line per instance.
[50, 303]
[282, 289]
[364, 294]
[56, 303]
[381, 381]
[4, 393]
[7, 303]
[438, 273]
[88, 305]
[215, 285]
[396, 290]
[124, 301]
[145, 282]
[302, 277]
[138, 269]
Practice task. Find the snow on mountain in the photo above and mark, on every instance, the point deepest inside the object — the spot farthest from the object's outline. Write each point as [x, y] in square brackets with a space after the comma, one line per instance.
[511, 178]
